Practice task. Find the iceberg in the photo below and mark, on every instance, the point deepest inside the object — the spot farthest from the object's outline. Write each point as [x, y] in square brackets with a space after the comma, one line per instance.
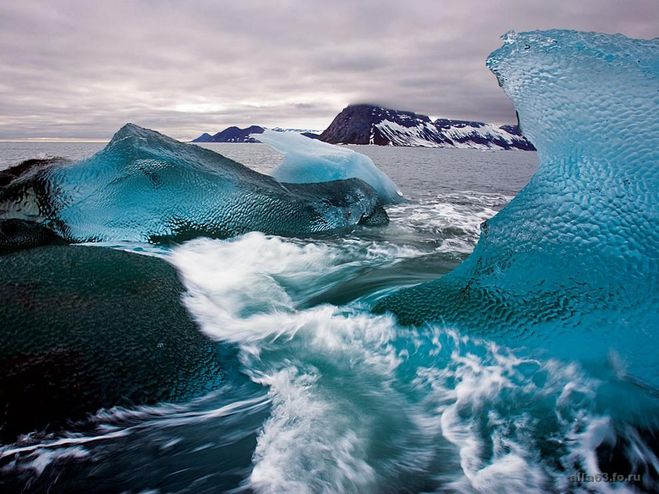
[144, 186]
[311, 161]
[571, 265]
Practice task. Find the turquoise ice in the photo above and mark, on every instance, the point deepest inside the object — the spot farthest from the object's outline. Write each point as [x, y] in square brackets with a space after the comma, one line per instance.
[571, 265]
[144, 186]
[311, 161]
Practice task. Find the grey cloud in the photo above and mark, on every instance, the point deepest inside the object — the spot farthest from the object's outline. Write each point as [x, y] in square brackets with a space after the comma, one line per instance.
[82, 69]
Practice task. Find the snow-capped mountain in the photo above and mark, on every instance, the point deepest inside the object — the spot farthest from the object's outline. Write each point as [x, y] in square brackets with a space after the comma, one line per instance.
[236, 134]
[369, 124]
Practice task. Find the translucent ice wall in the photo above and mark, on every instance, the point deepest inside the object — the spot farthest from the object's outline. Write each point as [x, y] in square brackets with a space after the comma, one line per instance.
[311, 161]
[144, 186]
[571, 265]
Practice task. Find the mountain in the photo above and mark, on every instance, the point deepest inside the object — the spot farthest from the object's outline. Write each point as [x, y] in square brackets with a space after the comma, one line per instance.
[236, 134]
[369, 124]
[232, 134]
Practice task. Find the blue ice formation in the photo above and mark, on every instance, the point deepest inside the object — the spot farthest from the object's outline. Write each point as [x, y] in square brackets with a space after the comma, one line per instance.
[144, 186]
[571, 265]
[311, 161]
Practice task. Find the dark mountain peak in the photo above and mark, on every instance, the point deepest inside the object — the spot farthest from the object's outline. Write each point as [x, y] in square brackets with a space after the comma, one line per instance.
[205, 137]
[362, 124]
[236, 134]
[376, 114]
[232, 134]
[234, 130]
[354, 125]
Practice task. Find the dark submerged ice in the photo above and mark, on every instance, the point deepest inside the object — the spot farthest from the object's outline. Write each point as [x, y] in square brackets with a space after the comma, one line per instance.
[85, 328]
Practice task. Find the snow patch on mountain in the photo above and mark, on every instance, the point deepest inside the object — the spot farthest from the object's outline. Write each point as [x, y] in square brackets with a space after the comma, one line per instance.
[368, 124]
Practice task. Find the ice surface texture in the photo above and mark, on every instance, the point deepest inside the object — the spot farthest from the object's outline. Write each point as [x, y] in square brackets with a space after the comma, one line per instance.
[311, 161]
[144, 186]
[571, 264]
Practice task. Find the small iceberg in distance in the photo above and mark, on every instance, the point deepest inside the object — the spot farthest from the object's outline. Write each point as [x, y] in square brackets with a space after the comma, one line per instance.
[570, 265]
[144, 186]
[311, 161]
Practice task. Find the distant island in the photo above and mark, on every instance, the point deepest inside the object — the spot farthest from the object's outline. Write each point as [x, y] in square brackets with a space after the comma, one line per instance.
[370, 124]
[236, 134]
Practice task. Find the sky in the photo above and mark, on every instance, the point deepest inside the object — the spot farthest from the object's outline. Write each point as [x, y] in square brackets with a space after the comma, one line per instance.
[81, 69]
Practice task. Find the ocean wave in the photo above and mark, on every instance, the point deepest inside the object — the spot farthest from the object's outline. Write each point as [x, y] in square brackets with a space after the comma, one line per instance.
[360, 403]
[450, 222]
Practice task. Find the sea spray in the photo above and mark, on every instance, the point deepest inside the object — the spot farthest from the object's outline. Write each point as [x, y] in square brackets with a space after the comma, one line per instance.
[360, 403]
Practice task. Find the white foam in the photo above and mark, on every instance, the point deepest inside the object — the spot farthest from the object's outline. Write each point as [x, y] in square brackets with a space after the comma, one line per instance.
[304, 447]
[341, 382]
[243, 290]
[315, 440]
[36, 453]
[44, 457]
[485, 396]
[456, 217]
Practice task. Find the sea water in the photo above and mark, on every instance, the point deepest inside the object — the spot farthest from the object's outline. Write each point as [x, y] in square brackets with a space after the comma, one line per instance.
[320, 395]
[277, 424]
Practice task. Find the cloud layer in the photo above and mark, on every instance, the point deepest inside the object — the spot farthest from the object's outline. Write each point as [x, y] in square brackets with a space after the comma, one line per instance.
[82, 69]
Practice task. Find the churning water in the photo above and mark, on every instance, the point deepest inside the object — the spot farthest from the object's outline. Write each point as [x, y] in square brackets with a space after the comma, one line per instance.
[320, 395]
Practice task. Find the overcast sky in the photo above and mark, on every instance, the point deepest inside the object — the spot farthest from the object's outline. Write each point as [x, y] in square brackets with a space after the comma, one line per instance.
[84, 68]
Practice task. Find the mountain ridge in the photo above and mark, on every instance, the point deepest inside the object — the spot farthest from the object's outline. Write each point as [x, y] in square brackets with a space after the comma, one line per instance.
[236, 134]
[372, 124]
